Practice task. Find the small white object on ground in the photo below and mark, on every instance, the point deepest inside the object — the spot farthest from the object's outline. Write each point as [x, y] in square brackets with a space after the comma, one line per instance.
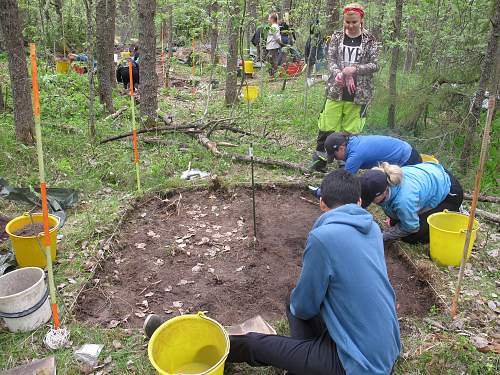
[89, 353]
[57, 338]
[192, 174]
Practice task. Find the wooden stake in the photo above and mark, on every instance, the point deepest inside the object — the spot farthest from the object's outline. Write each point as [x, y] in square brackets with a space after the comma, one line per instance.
[475, 195]
[43, 185]
[134, 130]
[250, 154]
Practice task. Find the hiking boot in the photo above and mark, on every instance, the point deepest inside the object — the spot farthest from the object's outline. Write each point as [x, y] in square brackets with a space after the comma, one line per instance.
[151, 323]
[315, 190]
[319, 162]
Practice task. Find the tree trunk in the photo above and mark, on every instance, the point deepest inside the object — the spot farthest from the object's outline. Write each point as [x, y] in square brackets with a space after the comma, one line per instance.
[232, 55]
[487, 73]
[124, 21]
[147, 49]
[170, 41]
[111, 41]
[214, 30]
[410, 45]
[2, 102]
[58, 5]
[379, 20]
[286, 7]
[90, 65]
[11, 27]
[333, 17]
[391, 117]
[103, 57]
[252, 20]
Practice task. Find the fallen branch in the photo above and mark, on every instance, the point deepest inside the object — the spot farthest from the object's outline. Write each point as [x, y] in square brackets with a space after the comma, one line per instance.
[237, 130]
[483, 198]
[226, 144]
[189, 128]
[207, 143]
[271, 162]
[488, 216]
[116, 114]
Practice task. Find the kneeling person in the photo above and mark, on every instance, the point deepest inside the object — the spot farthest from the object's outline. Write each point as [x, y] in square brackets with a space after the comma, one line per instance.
[342, 313]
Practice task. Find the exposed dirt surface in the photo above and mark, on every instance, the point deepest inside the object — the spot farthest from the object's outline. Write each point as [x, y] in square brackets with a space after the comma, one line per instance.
[30, 230]
[3, 234]
[195, 252]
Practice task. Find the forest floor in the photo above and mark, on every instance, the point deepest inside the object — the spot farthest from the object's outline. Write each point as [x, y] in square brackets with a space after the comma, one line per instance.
[120, 248]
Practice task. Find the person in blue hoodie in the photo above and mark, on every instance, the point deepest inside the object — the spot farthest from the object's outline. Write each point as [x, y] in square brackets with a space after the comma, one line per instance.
[342, 313]
[367, 151]
[408, 195]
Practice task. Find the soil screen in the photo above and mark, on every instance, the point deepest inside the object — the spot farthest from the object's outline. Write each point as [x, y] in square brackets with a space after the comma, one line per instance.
[195, 252]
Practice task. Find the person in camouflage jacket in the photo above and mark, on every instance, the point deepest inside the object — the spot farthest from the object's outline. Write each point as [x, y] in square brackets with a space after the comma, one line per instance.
[364, 70]
[352, 59]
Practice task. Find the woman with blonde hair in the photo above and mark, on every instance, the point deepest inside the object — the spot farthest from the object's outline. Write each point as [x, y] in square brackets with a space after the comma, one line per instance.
[408, 195]
[352, 60]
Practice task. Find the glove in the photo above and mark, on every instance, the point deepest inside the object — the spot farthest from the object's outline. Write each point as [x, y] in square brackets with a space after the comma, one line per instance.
[351, 86]
[316, 191]
[394, 233]
[339, 79]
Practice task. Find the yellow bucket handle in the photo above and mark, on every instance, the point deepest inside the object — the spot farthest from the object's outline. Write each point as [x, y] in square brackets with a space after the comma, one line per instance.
[462, 230]
[202, 315]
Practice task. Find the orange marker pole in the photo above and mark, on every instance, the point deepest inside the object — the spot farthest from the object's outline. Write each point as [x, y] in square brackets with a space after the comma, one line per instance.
[134, 130]
[43, 186]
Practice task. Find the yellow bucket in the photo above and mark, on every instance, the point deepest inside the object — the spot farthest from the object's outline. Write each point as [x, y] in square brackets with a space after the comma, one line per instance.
[125, 55]
[430, 158]
[62, 66]
[189, 344]
[248, 66]
[26, 248]
[250, 93]
[447, 237]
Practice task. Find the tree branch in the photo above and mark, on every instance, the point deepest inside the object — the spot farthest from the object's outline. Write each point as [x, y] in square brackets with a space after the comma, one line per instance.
[488, 216]
[181, 128]
[483, 198]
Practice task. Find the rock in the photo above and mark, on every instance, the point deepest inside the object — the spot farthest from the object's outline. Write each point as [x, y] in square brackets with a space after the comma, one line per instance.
[479, 342]
[117, 344]
[113, 323]
[492, 253]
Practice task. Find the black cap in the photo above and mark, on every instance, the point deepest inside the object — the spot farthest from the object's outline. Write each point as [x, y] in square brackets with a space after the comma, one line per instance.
[332, 144]
[373, 183]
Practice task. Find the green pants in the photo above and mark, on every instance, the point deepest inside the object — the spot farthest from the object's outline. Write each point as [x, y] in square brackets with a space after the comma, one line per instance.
[341, 116]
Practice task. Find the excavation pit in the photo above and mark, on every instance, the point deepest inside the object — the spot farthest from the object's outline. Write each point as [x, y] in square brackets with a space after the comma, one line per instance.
[194, 251]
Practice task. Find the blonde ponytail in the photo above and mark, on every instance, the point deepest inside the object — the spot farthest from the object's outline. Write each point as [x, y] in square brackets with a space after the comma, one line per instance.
[393, 172]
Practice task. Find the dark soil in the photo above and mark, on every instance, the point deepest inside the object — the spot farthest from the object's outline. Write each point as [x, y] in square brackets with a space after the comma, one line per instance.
[195, 252]
[30, 230]
[3, 234]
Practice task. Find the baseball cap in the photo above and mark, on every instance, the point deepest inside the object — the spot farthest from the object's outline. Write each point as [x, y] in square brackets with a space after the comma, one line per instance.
[332, 144]
[373, 183]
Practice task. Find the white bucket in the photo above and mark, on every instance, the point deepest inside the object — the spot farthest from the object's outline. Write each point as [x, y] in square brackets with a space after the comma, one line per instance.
[24, 303]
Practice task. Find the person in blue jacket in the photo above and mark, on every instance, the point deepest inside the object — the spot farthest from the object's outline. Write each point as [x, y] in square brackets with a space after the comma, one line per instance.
[367, 151]
[408, 195]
